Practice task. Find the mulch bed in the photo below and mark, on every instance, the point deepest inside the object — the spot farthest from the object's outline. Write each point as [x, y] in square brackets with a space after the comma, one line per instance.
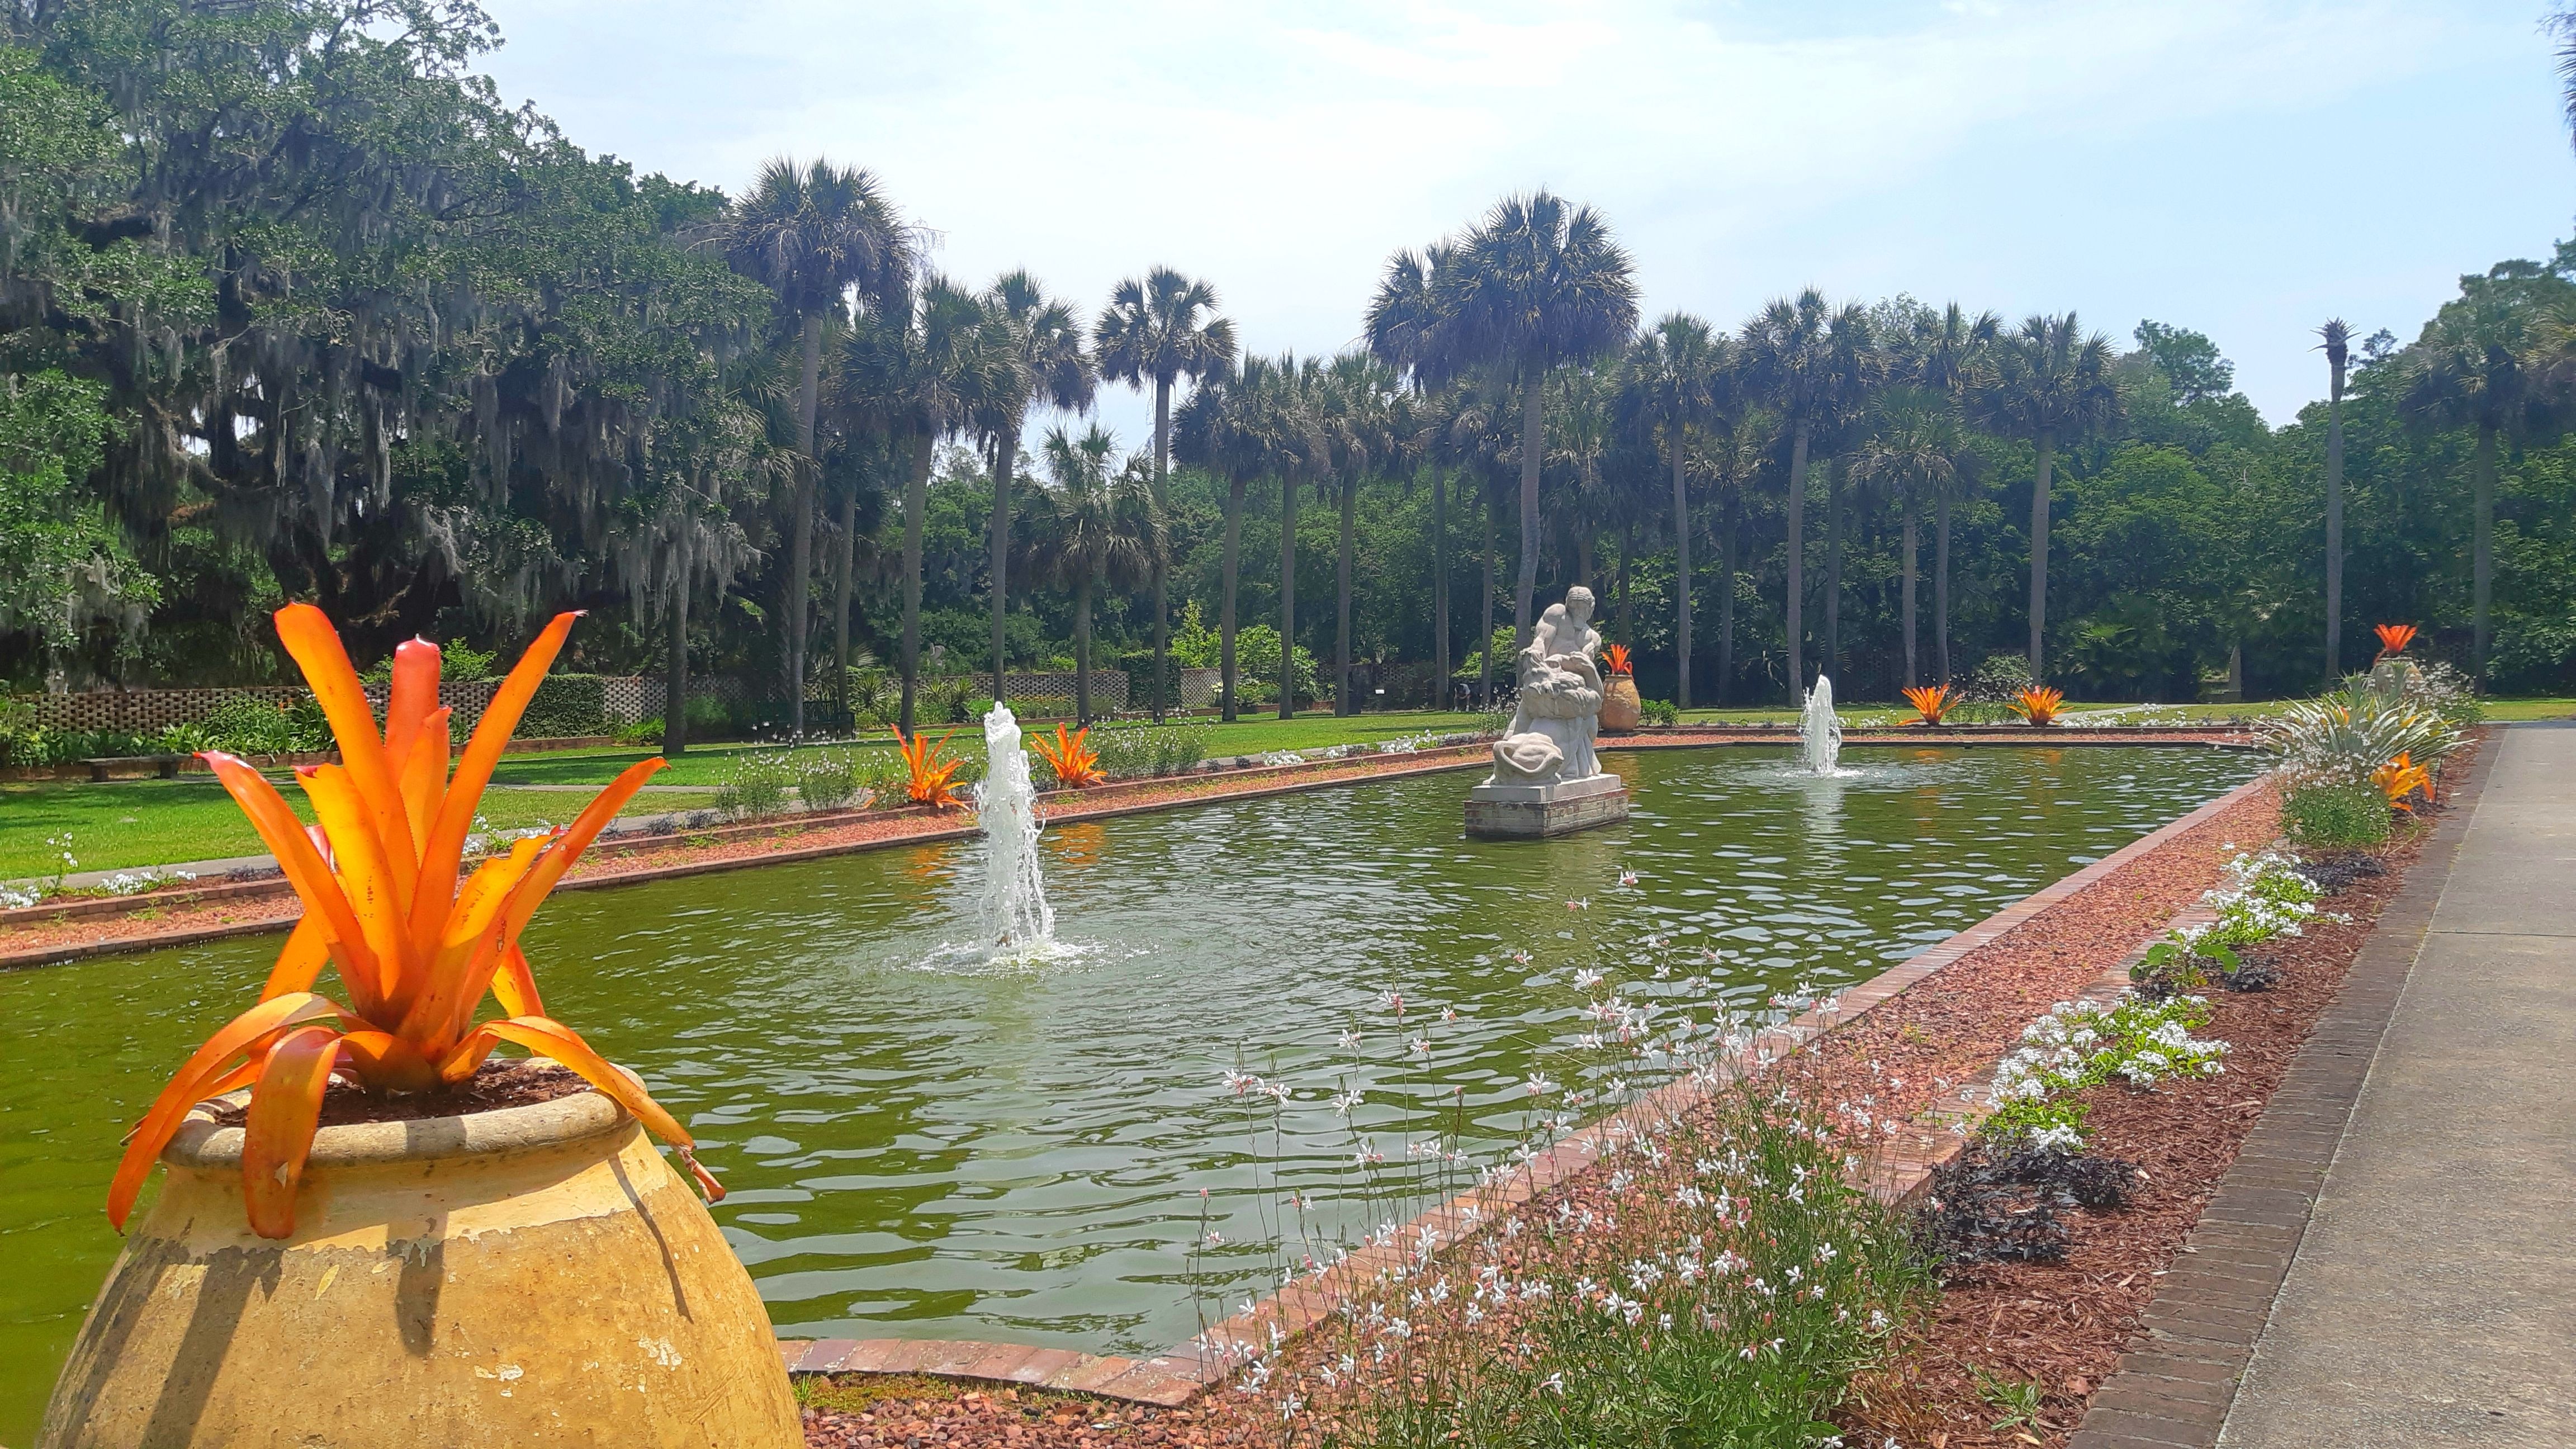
[2063, 1324]
[499, 1082]
[1909, 1055]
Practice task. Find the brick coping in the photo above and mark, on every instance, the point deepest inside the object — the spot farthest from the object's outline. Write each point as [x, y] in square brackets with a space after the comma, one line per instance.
[1182, 1372]
[1231, 785]
[2176, 1382]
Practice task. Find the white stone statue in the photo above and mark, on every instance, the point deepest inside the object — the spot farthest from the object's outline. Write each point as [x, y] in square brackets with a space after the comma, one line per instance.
[1559, 714]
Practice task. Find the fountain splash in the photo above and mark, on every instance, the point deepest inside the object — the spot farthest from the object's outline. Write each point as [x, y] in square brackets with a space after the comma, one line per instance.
[1017, 919]
[1820, 730]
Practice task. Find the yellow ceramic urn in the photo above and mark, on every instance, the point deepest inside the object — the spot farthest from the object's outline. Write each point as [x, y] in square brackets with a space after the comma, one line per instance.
[530, 1275]
[1620, 709]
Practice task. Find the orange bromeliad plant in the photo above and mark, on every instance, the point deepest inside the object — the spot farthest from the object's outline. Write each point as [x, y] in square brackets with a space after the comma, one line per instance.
[417, 943]
[1614, 660]
[929, 773]
[2401, 778]
[2040, 705]
[1076, 764]
[1930, 702]
[2393, 638]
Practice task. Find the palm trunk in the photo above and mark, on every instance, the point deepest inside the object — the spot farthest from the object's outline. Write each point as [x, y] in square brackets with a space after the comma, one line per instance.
[2334, 524]
[1442, 694]
[2482, 550]
[1797, 561]
[1225, 611]
[800, 526]
[841, 569]
[1583, 541]
[1832, 662]
[1524, 612]
[1082, 650]
[1726, 595]
[1161, 566]
[1682, 584]
[1288, 597]
[1485, 620]
[2039, 554]
[1627, 545]
[675, 677]
[1343, 702]
[1006, 450]
[1906, 605]
[1941, 584]
[916, 499]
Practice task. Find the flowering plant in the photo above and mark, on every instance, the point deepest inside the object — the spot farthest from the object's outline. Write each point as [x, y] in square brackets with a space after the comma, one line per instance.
[1930, 702]
[2039, 704]
[1075, 763]
[2400, 778]
[2393, 638]
[931, 777]
[416, 944]
[2079, 1045]
[1614, 660]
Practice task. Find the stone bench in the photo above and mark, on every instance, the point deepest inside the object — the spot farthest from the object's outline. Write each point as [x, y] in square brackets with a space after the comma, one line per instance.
[132, 767]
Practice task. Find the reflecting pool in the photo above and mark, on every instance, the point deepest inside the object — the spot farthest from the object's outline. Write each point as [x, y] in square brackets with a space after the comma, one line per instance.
[1018, 1154]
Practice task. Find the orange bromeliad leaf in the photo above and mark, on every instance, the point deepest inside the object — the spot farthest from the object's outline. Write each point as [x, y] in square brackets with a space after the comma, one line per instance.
[1614, 660]
[417, 948]
[1930, 702]
[1075, 764]
[285, 1104]
[211, 1063]
[2040, 705]
[930, 772]
[2393, 638]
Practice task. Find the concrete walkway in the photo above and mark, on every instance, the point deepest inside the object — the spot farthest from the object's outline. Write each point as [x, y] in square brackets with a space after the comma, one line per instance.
[2432, 1300]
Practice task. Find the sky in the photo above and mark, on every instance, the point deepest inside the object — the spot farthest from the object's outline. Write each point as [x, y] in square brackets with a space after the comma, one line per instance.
[2244, 168]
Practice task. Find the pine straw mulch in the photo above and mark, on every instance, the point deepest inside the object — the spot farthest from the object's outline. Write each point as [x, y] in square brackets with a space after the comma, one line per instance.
[2064, 1324]
[1908, 1056]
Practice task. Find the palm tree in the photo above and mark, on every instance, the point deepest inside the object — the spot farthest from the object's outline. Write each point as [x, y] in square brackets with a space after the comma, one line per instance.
[2336, 344]
[1402, 330]
[1735, 459]
[1911, 450]
[810, 234]
[1357, 405]
[1537, 284]
[2050, 383]
[1242, 425]
[1043, 365]
[2472, 368]
[1947, 359]
[1808, 361]
[1097, 526]
[921, 373]
[1673, 385]
[1160, 330]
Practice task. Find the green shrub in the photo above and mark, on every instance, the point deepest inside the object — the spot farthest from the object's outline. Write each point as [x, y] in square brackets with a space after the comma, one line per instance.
[565, 706]
[1139, 751]
[246, 726]
[1659, 712]
[2335, 817]
[826, 779]
[753, 784]
[22, 740]
[1043, 706]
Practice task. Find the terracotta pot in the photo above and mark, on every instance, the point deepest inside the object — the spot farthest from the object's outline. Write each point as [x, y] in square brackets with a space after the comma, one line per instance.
[1620, 708]
[530, 1275]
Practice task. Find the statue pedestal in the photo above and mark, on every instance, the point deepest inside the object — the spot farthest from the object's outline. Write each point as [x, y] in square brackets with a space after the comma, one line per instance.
[1531, 812]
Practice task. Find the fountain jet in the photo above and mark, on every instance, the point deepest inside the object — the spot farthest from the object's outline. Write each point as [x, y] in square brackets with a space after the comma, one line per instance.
[1820, 731]
[1018, 921]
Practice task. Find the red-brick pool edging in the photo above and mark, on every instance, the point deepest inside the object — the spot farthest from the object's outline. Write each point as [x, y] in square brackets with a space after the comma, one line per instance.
[1179, 1374]
[917, 826]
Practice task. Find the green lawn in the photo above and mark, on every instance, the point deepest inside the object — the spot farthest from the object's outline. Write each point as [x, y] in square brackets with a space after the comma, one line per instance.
[129, 823]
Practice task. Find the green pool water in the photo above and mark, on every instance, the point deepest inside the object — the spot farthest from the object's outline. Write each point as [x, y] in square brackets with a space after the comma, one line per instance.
[1018, 1153]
